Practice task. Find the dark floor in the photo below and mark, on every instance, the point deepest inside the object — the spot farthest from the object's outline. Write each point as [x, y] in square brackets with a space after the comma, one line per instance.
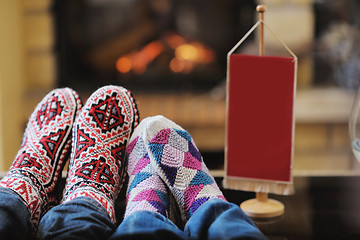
[321, 208]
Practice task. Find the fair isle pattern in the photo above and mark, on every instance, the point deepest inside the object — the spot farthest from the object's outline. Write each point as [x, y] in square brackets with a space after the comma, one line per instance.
[44, 150]
[146, 190]
[179, 163]
[100, 135]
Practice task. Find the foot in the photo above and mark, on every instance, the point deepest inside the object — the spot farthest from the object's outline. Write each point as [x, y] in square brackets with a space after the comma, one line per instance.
[178, 162]
[146, 190]
[45, 147]
[101, 133]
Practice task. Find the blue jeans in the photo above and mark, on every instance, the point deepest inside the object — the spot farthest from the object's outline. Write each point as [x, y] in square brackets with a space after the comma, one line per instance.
[84, 218]
[14, 217]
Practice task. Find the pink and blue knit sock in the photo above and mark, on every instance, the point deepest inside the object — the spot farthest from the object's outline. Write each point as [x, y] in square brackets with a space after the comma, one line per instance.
[178, 162]
[146, 190]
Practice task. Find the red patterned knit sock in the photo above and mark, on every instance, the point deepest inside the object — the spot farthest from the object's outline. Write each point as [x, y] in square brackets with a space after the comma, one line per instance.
[100, 135]
[42, 155]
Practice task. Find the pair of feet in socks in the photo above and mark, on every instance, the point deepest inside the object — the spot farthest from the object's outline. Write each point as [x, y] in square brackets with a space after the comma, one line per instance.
[161, 156]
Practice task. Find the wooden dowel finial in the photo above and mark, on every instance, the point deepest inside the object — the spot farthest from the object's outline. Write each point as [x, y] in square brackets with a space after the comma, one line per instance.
[261, 8]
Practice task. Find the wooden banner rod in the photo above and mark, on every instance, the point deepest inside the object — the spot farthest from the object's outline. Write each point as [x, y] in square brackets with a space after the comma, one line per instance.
[261, 9]
[262, 207]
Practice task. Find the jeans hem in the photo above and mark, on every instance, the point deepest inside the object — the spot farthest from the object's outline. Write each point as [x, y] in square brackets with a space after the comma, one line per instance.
[89, 200]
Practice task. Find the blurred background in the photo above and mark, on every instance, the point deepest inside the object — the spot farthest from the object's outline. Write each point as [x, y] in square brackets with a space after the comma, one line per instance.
[172, 55]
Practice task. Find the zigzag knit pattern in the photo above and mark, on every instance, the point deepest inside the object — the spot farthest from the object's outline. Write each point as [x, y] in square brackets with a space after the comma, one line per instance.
[146, 190]
[177, 160]
[100, 135]
[44, 151]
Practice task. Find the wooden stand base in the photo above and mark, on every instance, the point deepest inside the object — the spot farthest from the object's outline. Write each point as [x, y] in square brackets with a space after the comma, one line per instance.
[263, 207]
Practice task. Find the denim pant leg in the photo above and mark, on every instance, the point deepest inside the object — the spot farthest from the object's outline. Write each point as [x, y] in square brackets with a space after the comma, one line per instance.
[81, 218]
[14, 217]
[147, 225]
[218, 219]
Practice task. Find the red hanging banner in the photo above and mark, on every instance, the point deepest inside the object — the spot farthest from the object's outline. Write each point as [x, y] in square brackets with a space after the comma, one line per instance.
[260, 124]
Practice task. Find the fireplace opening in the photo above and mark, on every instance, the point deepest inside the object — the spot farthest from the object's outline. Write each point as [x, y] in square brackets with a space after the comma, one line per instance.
[159, 45]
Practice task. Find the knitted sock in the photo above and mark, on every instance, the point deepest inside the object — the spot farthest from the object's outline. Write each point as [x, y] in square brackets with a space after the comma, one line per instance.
[146, 190]
[45, 146]
[176, 159]
[101, 133]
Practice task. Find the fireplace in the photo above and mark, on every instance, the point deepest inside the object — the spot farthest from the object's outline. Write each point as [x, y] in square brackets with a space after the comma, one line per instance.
[160, 45]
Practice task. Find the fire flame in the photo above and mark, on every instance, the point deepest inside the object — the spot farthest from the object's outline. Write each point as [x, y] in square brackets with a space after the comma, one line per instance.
[187, 55]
